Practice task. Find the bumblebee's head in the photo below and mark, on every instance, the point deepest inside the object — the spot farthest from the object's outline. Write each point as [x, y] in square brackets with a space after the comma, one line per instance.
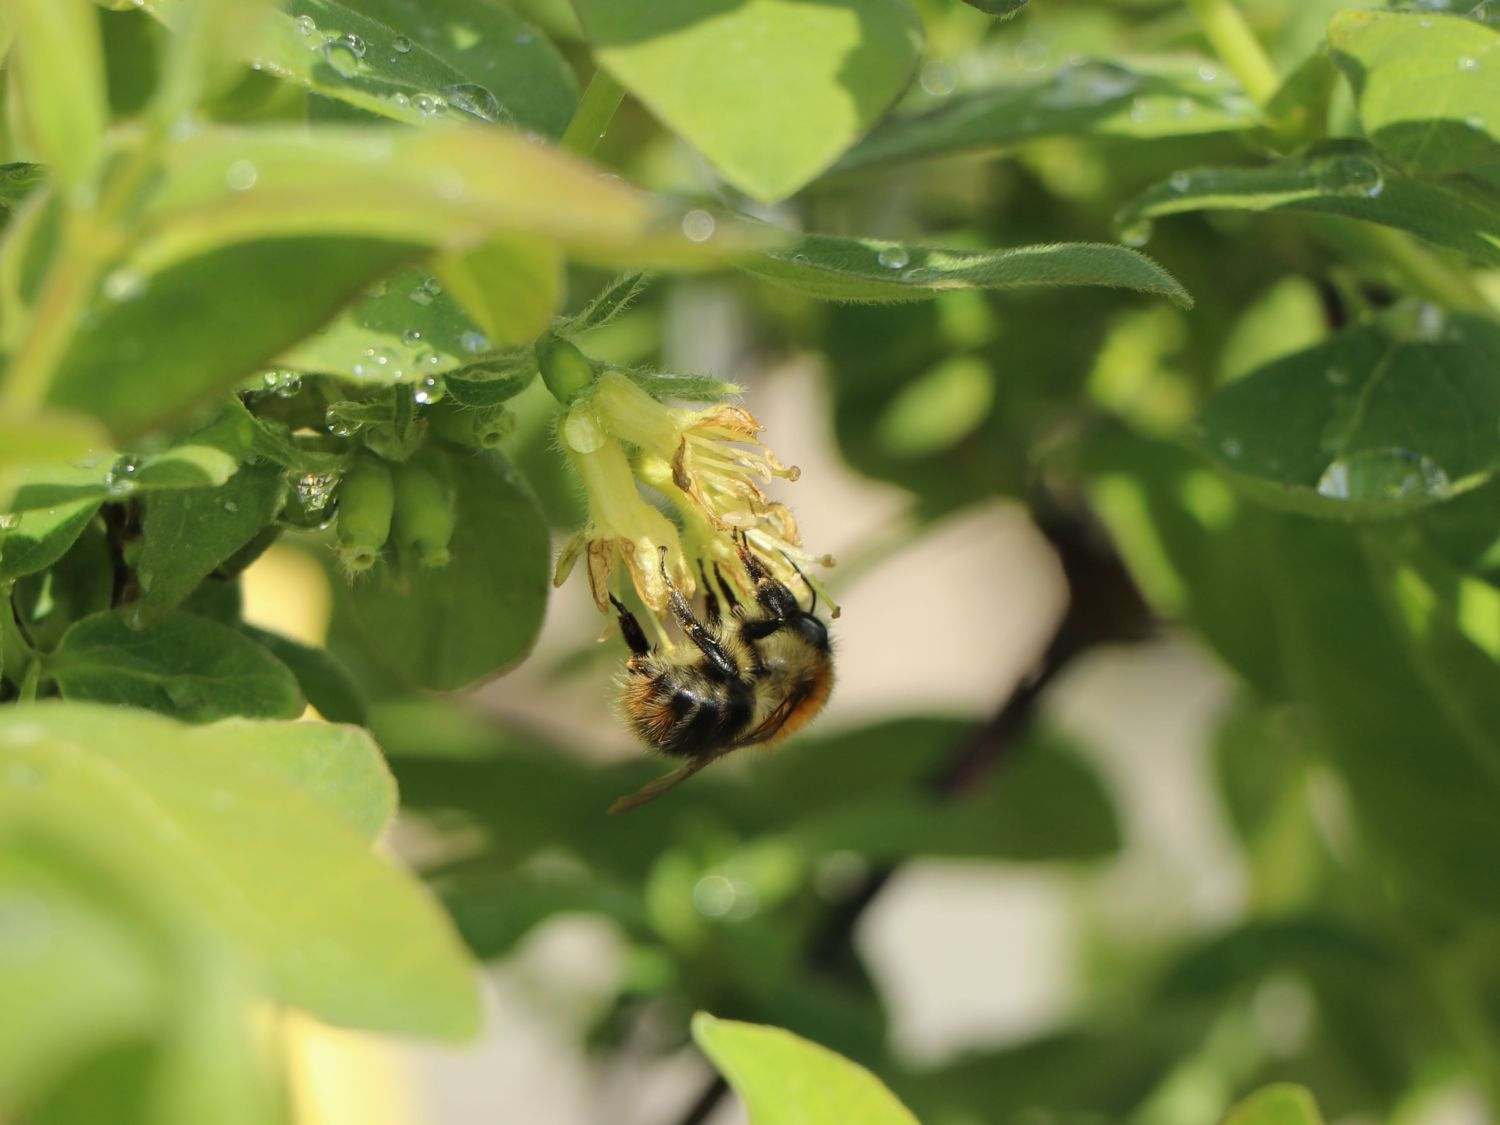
[812, 631]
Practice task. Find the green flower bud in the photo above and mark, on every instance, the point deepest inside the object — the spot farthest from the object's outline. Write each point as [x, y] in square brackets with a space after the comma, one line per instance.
[482, 427]
[367, 498]
[425, 517]
[566, 370]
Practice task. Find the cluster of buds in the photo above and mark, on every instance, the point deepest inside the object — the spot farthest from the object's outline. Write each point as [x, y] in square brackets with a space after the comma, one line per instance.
[710, 468]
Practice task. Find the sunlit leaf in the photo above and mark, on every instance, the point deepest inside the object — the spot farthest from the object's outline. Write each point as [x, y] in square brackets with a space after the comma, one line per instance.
[1427, 86]
[786, 1080]
[770, 91]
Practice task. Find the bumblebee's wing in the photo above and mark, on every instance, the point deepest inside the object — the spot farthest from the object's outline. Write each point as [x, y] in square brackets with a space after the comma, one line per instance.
[656, 788]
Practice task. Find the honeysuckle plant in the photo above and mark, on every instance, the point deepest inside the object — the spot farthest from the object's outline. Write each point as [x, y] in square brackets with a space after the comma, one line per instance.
[386, 294]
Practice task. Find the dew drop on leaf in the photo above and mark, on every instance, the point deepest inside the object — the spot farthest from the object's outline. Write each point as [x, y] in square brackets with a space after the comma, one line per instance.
[475, 100]
[698, 226]
[894, 257]
[1384, 474]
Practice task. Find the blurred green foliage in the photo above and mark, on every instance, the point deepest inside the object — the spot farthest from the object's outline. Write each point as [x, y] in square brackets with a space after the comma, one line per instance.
[248, 246]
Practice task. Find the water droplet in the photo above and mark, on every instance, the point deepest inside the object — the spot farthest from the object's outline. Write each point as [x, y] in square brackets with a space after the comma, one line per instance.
[1180, 182]
[289, 385]
[1431, 324]
[120, 480]
[894, 257]
[420, 296]
[921, 275]
[1088, 84]
[401, 44]
[1468, 63]
[1184, 108]
[338, 425]
[1424, 23]
[381, 362]
[231, 506]
[1231, 448]
[400, 101]
[1208, 73]
[240, 176]
[355, 44]
[314, 490]
[411, 335]
[474, 342]
[1137, 233]
[1384, 474]
[433, 286]
[342, 57]
[698, 226]
[124, 284]
[938, 78]
[475, 100]
[1350, 175]
[9, 521]
[1475, 122]
[1032, 54]
[1337, 377]
[429, 105]
[306, 24]
[524, 38]
[801, 259]
[429, 390]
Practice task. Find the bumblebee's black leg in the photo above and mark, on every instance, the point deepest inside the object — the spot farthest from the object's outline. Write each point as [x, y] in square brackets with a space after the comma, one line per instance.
[711, 612]
[630, 628]
[730, 598]
[694, 629]
[773, 597]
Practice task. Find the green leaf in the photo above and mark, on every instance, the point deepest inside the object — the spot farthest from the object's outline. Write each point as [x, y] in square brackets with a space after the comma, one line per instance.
[78, 975]
[1345, 178]
[1281, 1104]
[187, 533]
[769, 91]
[1427, 87]
[1376, 422]
[41, 536]
[327, 684]
[421, 59]
[49, 438]
[408, 327]
[786, 1080]
[242, 854]
[449, 627]
[1093, 98]
[339, 765]
[1420, 790]
[1001, 8]
[80, 583]
[871, 791]
[449, 188]
[101, 475]
[56, 88]
[511, 286]
[202, 325]
[186, 666]
[853, 269]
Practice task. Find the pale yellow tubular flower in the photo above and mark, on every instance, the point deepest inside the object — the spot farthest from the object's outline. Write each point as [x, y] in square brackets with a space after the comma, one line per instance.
[621, 526]
[715, 453]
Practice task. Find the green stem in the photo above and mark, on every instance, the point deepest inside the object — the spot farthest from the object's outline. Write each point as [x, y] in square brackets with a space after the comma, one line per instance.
[1236, 44]
[594, 113]
[1424, 273]
[16, 655]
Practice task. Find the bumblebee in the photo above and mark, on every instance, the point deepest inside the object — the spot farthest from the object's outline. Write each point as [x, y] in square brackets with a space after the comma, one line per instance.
[749, 680]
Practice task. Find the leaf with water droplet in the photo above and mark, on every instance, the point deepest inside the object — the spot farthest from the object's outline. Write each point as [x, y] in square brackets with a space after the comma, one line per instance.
[1375, 442]
[851, 269]
[1346, 178]
[403, 59]
[1420, 84]
[187, 533]
[1133, 98]
[37, 538]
